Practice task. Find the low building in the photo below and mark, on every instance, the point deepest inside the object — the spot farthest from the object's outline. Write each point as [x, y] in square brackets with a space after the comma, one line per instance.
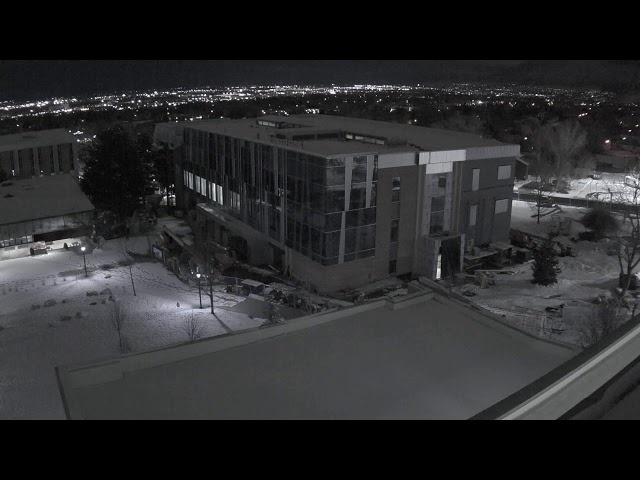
[37, 153]
[45, 209]
[339, 202]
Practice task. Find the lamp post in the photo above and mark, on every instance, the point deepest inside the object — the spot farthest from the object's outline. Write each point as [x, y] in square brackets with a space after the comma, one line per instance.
[199, 292]
[84, 259]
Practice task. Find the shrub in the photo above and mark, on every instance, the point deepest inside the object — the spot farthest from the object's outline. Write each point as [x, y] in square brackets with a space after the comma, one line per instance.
[601, 221]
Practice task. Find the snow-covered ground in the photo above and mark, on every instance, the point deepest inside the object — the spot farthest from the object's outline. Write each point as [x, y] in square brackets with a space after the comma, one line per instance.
[591, 273]
[35, 340]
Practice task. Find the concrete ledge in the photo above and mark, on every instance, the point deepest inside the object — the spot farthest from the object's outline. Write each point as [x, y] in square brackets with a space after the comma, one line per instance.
[460, 299]
[408, 300]
[561, 390]
[573, 388]
[94, 375]
[112, 370]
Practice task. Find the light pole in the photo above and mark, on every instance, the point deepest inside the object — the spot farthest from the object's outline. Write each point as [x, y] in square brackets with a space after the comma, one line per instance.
[84, 258]
[199, 292]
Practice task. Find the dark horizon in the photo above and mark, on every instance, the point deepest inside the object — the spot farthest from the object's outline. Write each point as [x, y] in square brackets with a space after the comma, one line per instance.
[26, 79]
[42, 79]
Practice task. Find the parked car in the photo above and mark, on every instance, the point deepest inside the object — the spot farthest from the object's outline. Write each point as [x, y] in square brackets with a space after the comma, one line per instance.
[597, 175]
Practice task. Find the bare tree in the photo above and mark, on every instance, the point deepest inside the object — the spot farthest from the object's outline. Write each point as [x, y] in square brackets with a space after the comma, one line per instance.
[204, 252]
[118, 318]
[129, 263]
[601, 320]
[566, 142]
[541, 163]
[557, 152]
[628, 235]
[194, 328]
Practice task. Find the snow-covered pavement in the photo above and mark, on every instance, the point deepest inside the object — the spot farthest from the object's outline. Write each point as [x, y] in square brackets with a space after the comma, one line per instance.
[34, 340]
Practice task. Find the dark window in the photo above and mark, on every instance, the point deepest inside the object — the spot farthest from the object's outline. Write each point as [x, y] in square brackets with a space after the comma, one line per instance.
[394, 230]
[395, 195]
[437, 204]
[437, 223]
[358, 218]
[358, 197]
[335, 176]
[334, 222]
[359, 174]
[442, 182]
[350, 236]
[393, 250]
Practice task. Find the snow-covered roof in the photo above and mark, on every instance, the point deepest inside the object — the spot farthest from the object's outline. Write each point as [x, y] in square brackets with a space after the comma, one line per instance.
[397, 137]
[41, 197]
[39, 138]
[434, 359]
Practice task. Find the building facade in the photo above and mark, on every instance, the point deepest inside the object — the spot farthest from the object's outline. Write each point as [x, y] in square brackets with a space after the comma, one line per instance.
[38, 153]
[339, 202]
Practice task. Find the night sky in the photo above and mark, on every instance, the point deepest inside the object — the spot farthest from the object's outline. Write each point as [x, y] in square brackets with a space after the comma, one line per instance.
[41, 79]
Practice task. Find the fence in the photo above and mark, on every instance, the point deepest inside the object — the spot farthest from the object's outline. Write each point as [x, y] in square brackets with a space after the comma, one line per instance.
[577, 202]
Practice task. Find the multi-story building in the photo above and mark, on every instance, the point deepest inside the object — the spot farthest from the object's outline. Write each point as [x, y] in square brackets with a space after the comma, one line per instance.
[339, 202]
[38, 153]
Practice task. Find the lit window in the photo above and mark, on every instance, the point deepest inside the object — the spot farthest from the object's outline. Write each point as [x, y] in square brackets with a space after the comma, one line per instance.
[502, 206]
[504, 172]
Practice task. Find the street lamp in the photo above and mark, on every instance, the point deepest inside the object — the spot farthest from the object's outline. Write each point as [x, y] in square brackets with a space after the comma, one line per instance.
[84, 258]
[199, 292]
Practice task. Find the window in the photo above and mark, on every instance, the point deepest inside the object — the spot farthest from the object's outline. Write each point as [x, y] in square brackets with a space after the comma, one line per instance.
[437, 204]
[502, 206]
[393, 250]
[473, 213]
[437, 223]
[358, 197]
[394, 230]
[504, 172]
[359, 173]
[476, 179]
[442, 182]
[395, 210]
[395, 194]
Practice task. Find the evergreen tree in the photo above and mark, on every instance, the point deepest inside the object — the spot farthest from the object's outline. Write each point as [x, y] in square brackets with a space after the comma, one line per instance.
[545, 265]
[116, 171]
[161, 160]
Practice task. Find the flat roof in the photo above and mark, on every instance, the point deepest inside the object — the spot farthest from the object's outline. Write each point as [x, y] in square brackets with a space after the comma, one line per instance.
[400, 137]
[41, 197]
[39, 138]
[432, 360]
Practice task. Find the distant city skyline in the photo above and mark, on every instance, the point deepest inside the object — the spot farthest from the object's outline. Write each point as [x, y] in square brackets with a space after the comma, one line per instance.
[36, 79]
